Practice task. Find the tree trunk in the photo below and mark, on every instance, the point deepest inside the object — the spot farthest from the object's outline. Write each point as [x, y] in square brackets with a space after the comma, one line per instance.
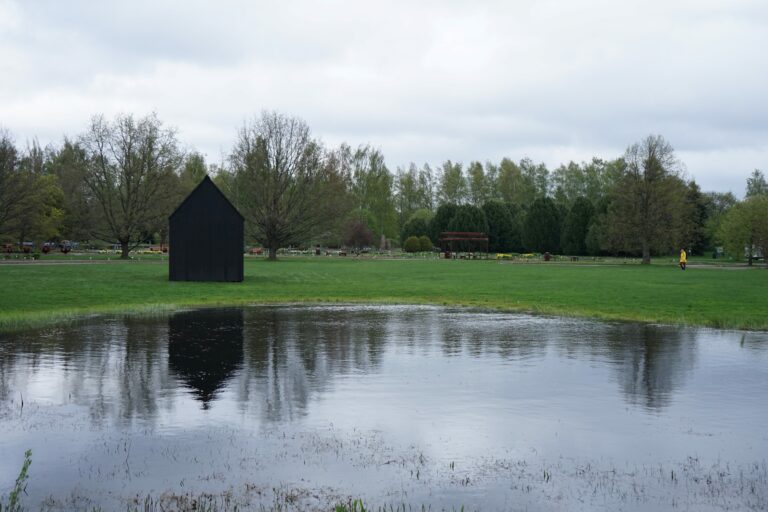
[646, 253]
[272, 252]
[124, 249]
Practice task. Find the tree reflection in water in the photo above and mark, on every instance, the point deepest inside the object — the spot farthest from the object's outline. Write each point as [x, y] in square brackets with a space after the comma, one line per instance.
[652, 361]
[293, 354]
[277, 360]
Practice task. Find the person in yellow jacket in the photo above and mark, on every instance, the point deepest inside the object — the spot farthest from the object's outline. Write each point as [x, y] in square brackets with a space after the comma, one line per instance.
[683, 259]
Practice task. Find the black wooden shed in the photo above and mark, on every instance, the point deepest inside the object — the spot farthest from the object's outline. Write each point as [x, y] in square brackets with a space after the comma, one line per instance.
[206, 237]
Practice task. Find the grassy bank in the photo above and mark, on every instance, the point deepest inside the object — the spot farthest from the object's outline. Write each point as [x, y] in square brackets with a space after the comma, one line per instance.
[37, 294]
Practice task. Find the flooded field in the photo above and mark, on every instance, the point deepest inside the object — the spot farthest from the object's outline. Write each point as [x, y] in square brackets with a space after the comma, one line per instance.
[298, 408]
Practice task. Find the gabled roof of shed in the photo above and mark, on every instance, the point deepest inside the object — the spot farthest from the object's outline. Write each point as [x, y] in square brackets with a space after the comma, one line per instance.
[205, 182]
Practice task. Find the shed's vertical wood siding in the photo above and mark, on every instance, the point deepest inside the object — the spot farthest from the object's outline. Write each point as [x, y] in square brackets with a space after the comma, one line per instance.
[206, 237]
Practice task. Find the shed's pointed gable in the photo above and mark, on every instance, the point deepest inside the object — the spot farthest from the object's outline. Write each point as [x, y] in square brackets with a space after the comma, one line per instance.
[205, 185]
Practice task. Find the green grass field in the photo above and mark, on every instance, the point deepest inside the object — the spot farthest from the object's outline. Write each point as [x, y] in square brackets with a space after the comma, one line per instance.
[37, 294]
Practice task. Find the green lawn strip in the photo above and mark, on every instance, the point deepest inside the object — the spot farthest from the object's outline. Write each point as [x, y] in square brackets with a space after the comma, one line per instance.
[38, 294]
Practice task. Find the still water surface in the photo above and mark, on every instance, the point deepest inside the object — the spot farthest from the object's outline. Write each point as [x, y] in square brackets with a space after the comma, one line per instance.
[307, 406]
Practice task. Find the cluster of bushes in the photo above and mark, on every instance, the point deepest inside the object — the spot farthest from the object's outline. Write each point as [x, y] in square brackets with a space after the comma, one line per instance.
[417, 244]
[541, 227]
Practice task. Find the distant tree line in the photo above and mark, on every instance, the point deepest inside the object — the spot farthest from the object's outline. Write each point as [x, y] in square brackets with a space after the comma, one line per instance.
[119, 179]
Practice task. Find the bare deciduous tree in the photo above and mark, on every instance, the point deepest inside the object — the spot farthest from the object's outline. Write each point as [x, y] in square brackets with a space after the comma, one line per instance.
[284, 185]
[645, 212]
[130, 172]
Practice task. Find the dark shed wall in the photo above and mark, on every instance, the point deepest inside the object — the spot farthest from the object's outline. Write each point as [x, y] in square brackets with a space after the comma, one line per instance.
[206, 238]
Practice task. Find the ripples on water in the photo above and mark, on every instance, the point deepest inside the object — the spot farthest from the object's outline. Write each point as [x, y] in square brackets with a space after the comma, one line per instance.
[308, 406]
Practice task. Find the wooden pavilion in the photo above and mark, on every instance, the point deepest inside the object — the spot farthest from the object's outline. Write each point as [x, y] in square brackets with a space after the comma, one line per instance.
[467, 241]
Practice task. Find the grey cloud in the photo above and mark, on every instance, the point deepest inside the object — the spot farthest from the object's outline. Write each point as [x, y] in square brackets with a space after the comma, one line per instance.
[426, 81]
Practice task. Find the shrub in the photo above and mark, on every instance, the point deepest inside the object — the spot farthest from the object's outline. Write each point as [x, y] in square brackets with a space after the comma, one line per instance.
[501, 230]
[414, 227]
[425, 244]
[541, 228]
[468, 218]
[412, 244]
[439, 222]
[358, 234]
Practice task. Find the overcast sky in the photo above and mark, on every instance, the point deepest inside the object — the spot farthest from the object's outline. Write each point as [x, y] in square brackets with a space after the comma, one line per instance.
[424, 81]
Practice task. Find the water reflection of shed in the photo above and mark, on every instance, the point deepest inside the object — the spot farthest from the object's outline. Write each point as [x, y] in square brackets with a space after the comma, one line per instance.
[206, 237]
[205, 349]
